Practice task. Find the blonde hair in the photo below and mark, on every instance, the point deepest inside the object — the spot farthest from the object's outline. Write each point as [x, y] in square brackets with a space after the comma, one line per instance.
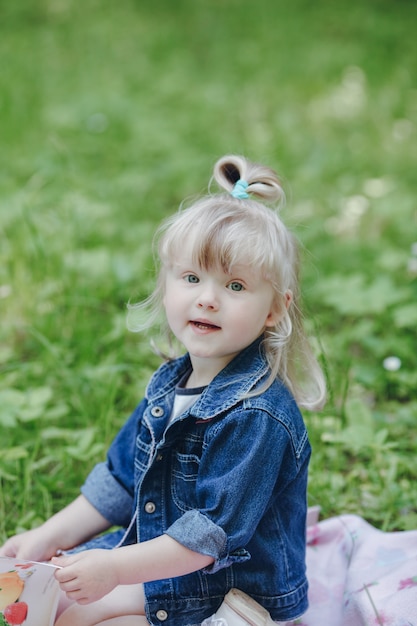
[225, 231]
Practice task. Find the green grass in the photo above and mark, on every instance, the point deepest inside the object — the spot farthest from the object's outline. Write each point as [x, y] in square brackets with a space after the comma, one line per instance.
[110, 115]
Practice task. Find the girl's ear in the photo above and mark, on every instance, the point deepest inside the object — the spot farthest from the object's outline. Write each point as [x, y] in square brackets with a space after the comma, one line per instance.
[276, 312]
[271, 320]
[288, 298]
[274, 316]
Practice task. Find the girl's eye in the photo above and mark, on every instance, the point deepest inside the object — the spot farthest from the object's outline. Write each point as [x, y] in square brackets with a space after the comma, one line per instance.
[191, 278]
[235, 286]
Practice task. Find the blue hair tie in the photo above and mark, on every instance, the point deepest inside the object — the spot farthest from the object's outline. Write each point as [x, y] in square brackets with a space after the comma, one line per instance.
[239, 190]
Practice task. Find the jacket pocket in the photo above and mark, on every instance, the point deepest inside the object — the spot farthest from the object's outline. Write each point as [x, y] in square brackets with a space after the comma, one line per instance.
[184, 479]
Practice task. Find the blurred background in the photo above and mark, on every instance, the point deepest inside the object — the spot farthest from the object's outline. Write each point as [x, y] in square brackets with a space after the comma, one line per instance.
[111, 114]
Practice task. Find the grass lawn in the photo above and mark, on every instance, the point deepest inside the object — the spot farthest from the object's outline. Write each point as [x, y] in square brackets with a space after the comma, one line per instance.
[111, 114]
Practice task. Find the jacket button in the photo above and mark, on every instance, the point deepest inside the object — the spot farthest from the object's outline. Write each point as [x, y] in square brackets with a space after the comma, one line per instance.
[150, 508]
[162, 615]
[157, 411]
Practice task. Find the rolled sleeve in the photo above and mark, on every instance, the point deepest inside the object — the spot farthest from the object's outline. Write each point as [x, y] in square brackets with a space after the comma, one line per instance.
[110, 485]
[107, 495]
[197, 532]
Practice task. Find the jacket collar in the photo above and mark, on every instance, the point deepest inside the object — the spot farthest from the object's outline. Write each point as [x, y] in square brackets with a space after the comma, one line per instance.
[237, 379]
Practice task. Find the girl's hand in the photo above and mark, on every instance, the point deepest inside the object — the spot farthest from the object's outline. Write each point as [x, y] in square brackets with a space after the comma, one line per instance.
[87, 576]
[33, 545]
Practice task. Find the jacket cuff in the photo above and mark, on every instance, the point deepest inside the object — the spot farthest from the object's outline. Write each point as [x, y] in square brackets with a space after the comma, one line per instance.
[197, 532]
[108, 496]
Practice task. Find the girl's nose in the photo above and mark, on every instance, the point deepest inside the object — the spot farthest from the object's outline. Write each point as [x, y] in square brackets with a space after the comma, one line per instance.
[207, 300]
[206, 306]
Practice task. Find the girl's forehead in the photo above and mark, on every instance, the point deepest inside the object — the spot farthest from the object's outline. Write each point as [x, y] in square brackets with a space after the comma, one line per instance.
[187, 262]
[214, 251]
[208, 254]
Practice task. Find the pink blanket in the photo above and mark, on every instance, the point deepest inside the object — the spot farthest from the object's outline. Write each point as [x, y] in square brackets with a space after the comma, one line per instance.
[360, 576]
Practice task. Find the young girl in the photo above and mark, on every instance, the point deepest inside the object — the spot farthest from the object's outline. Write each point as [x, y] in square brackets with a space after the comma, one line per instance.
[208, 476]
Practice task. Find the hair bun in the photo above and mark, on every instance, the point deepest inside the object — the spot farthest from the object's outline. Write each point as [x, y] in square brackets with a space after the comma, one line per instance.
[262, 181]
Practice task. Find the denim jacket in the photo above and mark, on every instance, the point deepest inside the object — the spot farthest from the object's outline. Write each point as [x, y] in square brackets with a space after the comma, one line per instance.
[227, 478]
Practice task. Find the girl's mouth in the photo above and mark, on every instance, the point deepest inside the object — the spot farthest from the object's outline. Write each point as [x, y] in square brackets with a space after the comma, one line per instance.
[204, 325]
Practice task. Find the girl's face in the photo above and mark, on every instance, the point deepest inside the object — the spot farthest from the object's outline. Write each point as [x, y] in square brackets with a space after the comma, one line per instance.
[215, 314]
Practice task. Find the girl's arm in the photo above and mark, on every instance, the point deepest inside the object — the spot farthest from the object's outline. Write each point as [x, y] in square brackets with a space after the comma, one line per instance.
[72, 525]
[88, 576]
